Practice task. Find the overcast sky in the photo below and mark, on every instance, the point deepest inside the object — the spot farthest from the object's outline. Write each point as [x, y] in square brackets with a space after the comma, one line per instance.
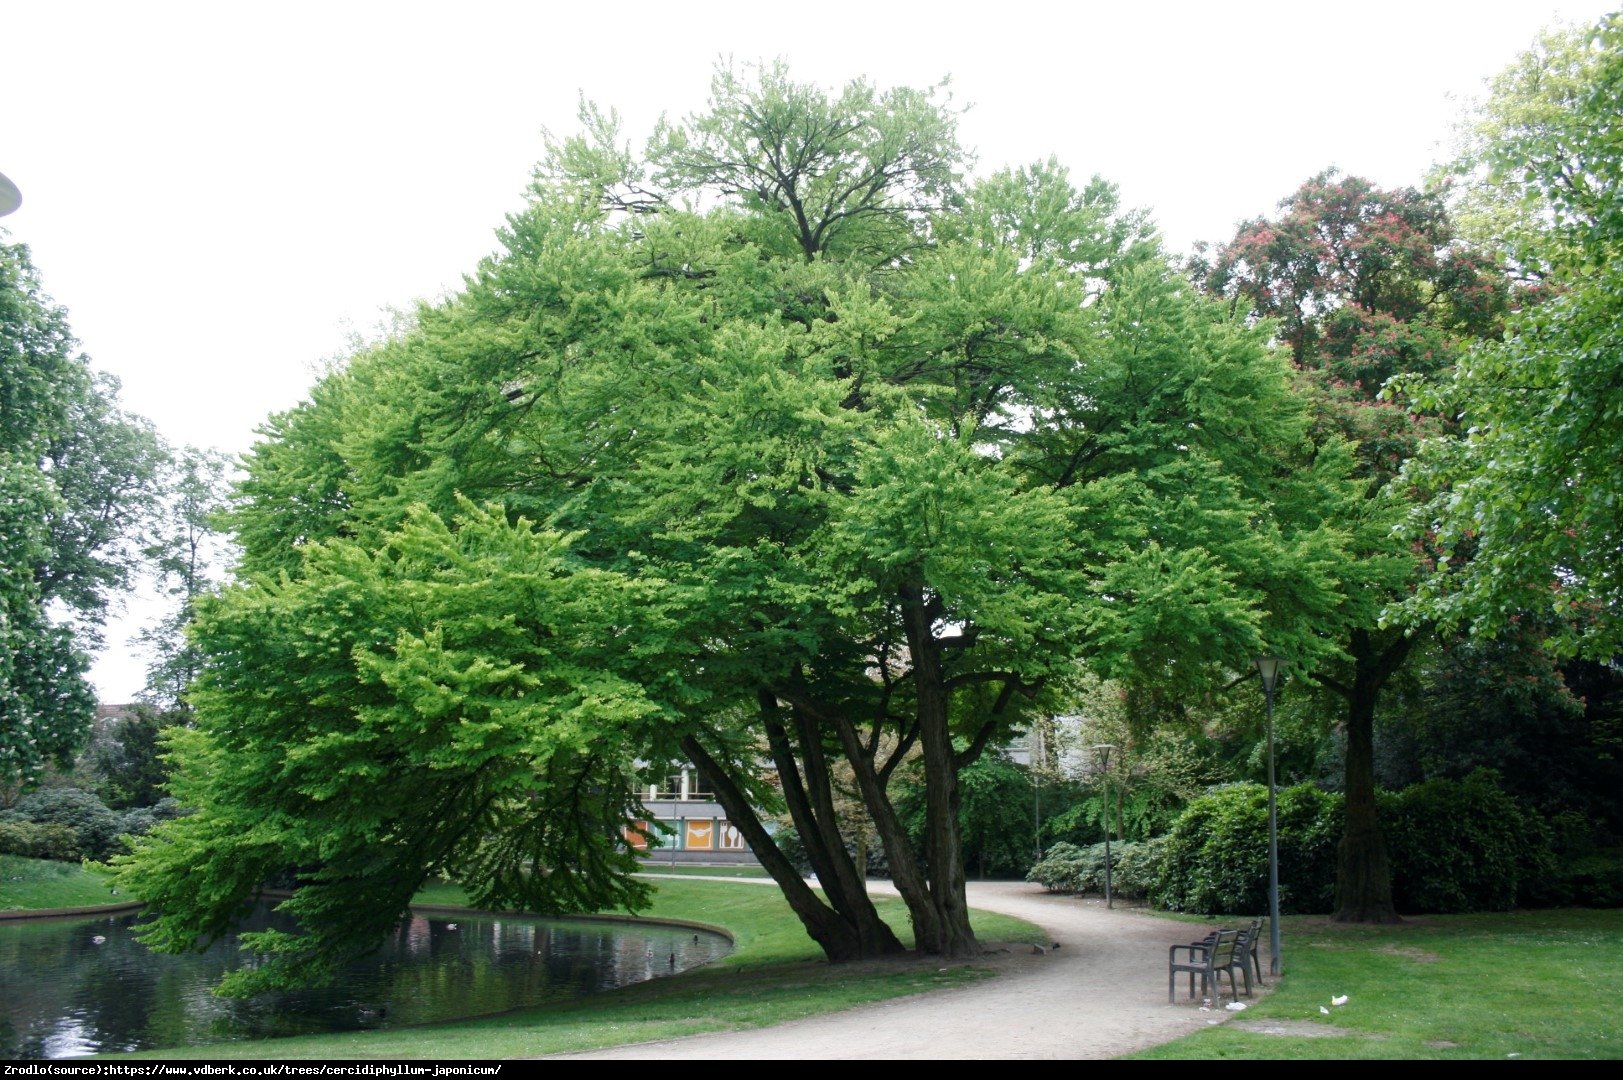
[221, 194]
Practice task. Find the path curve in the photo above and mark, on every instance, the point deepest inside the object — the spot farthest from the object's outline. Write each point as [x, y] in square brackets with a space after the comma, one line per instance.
[1101, 994]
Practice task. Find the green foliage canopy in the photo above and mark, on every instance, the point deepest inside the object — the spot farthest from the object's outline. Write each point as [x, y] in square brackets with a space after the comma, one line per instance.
[77, 480]
[445, 704]
[834, 435]
[1528, 502]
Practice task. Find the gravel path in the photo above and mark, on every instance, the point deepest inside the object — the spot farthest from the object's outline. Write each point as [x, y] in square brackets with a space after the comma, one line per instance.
[1101, 993]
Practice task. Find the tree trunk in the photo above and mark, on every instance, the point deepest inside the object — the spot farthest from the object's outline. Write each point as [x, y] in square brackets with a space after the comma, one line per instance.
[904, 864]
[839, 939]
[809, 794]
[943, 848]
[1363, 874]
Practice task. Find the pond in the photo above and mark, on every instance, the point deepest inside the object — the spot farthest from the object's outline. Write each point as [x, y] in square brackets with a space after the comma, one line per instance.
[80, 986]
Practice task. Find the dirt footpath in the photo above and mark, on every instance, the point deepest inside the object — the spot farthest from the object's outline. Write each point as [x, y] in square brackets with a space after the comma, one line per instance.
[1102, 993]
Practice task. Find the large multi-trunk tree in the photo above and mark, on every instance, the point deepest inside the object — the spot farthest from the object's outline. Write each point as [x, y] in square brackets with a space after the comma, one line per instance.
[881, 453]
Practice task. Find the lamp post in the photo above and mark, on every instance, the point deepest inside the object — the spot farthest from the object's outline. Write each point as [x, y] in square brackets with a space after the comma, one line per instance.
[1268, 668]
[1036, 753]
[1103, 750]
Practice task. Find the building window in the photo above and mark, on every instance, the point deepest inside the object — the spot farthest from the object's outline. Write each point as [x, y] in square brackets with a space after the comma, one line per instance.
[699, 833]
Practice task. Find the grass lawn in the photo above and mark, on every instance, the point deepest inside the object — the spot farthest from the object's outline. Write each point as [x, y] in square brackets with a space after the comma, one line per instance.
[41, 884]
[1528, 985]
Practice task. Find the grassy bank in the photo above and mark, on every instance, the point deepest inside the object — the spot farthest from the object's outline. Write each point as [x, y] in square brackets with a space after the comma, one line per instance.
[41, 884]
[774, 975]
[1527, 985]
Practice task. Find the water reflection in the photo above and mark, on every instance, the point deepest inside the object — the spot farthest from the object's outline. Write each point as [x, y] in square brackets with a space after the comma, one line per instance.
[73, 987]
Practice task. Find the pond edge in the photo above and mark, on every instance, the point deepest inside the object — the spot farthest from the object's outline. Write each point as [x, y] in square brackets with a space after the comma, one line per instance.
[435, 909]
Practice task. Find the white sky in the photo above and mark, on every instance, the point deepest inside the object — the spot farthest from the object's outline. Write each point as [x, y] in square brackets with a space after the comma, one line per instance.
[220, 193]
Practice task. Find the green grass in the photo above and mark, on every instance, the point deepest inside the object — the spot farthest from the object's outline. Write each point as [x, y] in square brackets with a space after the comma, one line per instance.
[775, 974]
[41, 884]
[1528, 985]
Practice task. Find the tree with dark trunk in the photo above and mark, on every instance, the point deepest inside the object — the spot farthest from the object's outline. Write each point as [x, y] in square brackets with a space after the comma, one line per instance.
[1364, 285]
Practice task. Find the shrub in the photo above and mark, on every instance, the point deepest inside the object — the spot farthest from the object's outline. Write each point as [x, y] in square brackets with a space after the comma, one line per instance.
[1215, 859]
[1069, 868]
[1137, 867]
[1454, 846]
[1464, 845]
[1066, 868]
[1592, 880]
[95, 828]
[36, 841]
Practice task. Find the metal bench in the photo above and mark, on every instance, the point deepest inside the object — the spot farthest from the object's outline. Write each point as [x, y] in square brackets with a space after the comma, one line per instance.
[1246, 956]
[1209, 959]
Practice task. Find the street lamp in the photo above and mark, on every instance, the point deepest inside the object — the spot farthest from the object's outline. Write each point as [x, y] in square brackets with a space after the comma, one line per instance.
[1268, 668]
[1103, 750]
[10, 197]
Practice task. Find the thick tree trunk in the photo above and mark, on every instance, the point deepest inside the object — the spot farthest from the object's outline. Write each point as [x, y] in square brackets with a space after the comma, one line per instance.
[905, 874]
[838, 938]
[943, 848]
[809, 794]
[1363, 874]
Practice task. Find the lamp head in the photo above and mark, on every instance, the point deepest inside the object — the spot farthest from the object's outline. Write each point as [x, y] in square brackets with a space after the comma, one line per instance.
[1268, 668]
[10, 197]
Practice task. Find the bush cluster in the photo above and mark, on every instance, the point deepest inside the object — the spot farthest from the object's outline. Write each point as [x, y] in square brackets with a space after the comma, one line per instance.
[1463, 845]
[71, 824]
[1454, 846]
[1070, 868]
[1216, 857]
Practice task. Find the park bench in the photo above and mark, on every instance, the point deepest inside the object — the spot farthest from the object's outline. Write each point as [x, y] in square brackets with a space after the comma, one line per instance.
[1246, 956]
[1209, 959]
[1250, 959]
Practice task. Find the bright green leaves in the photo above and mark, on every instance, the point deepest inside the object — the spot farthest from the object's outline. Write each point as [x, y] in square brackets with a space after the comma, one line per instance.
[847, 176]
[928, 507]
[1528, 502]
[1035, 213]
[446, 704]
[821, 427]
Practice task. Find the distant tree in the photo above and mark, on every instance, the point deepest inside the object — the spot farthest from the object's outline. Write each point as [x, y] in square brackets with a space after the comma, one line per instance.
[125, 759]
[996, 811]
[1527, 501]
[1364, 285]
[183, 554]
[1495, 205]
[77, 483]
[1507, 704]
